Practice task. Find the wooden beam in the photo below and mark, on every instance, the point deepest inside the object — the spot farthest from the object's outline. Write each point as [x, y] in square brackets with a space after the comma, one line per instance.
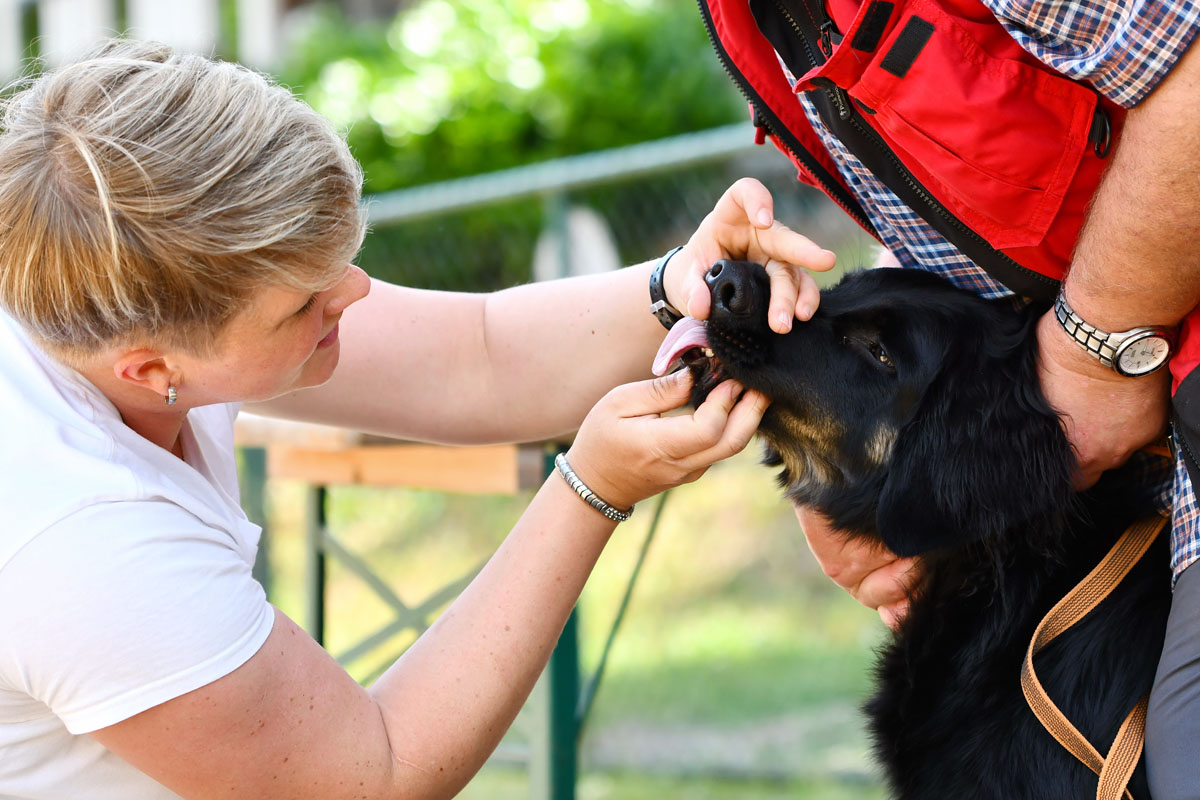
[492, 469]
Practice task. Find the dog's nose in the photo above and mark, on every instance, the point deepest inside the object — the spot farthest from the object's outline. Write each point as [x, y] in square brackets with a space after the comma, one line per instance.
[731, 287]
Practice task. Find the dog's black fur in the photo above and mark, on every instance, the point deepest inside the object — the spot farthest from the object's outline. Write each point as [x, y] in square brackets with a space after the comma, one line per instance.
[909, 411]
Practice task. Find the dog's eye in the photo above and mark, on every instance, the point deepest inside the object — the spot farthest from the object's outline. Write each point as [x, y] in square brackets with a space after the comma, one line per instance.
[880, 354]
[871, 346]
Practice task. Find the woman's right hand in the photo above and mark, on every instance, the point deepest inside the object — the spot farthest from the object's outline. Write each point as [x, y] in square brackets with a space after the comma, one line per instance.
[626, 450]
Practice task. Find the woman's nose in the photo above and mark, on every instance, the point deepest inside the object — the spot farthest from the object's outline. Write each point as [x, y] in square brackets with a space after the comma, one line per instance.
[354, 286]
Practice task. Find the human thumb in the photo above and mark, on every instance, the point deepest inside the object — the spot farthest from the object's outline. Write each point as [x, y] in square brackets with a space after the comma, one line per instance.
[655, 396]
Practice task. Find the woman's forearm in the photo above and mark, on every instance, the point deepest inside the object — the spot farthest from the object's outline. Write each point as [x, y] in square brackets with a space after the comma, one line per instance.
[518, 365]
[501, 632]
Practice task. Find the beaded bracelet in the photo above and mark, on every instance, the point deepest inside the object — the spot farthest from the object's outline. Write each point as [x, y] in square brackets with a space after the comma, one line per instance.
[590, 497]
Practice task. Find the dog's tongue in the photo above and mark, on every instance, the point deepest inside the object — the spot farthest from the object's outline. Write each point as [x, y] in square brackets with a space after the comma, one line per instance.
[683, 336]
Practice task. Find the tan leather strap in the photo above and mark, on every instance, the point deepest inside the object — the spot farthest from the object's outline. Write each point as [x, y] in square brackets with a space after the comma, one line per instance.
[1115, 769]
[1123, 755]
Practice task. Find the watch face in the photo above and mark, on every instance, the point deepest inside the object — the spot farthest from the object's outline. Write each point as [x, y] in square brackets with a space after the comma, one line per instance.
[1143, 355]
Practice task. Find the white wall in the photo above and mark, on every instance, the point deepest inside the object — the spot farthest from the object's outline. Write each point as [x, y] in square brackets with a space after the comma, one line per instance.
[67, 27]
[189, 25]
[10, 38]
[259, 32]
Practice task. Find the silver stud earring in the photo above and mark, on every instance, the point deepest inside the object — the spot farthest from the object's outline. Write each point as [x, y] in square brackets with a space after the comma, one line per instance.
[172, 395]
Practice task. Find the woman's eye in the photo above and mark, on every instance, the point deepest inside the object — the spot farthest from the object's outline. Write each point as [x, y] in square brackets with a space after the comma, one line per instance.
[312, 301]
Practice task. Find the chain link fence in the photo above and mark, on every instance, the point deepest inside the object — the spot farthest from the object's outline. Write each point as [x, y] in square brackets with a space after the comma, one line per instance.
[617, 208]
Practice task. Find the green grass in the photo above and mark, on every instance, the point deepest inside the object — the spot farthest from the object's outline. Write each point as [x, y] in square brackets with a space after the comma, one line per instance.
[736, 657]
[499, 783]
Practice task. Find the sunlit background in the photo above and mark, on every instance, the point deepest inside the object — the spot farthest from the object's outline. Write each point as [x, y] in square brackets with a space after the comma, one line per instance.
[738, 669]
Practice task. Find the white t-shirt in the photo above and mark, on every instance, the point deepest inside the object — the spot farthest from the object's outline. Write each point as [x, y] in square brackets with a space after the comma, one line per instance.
[124, 575]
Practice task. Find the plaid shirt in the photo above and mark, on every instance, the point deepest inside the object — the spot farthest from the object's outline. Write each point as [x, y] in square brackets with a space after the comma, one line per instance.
[1123, 48]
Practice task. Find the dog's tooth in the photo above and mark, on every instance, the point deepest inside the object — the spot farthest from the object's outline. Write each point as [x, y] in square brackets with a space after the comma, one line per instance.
[708, 352]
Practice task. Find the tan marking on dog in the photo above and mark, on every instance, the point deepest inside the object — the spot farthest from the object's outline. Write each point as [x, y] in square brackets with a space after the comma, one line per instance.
[806, 445]
[879, 448]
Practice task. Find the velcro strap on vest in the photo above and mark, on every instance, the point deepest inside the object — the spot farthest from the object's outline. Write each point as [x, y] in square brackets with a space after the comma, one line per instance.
[907, 47]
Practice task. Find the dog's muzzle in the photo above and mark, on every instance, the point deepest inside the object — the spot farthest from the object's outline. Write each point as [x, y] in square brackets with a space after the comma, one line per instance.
[733, 333]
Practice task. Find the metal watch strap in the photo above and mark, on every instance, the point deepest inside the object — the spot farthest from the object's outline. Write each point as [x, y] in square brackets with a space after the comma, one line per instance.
[666, 313]
[589, 497]
[1089, 337]
[1108, 348]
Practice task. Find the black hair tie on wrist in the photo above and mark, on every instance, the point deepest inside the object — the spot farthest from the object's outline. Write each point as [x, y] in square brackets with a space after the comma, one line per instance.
[666, 313]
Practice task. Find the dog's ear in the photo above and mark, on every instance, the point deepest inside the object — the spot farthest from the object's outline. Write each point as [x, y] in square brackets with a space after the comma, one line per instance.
[983, 452]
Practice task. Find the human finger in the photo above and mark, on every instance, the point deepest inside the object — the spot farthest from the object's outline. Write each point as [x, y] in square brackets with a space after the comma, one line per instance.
[846, 560]
[781, 243]
[739, 427]
[697, 298]
[894, 614]
[688, 434]
[652, 397]
[743, 424]
[887, 586]
[749, 200]
[721, 426]
[794, 293]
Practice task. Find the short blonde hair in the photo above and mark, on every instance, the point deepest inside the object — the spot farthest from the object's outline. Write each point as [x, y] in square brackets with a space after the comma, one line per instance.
[144, 194]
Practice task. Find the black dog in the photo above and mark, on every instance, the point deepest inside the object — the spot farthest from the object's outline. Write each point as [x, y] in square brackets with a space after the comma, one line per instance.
[909, 411]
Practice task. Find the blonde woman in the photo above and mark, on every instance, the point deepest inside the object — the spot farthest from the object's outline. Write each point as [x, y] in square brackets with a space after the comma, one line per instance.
[174, 242]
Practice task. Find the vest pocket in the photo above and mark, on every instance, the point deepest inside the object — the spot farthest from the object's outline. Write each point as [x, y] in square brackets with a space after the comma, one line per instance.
[995, 138]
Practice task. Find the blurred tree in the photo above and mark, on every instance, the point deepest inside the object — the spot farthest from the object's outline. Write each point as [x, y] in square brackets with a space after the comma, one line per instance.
[458, 87]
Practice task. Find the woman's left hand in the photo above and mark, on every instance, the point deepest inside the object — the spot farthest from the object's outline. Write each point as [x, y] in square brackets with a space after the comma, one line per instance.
[742, 226]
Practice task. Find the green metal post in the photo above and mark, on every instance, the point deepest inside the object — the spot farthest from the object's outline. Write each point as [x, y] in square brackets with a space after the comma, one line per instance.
[252, 473]
[558, 207]
[554, 753]
[564, 697]
[30, 29]
[314, 562]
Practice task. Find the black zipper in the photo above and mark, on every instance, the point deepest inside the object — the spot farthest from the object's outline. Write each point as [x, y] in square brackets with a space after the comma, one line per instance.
[1189, 456]
[840, 100]
[766, 119]
[1017, 277]
[824, 40]
[919, 190]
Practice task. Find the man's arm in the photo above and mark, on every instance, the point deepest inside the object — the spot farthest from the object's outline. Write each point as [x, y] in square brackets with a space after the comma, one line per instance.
[1137, 263]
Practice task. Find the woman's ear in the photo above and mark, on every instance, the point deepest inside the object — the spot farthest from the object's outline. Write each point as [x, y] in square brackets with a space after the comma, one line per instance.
[982, 453]
[145, 368]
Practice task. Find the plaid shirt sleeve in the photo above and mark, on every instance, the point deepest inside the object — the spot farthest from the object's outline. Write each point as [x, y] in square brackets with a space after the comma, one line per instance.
[1124, 48]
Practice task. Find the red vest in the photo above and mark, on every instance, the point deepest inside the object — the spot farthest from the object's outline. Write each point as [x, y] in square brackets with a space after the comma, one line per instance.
[995, 150]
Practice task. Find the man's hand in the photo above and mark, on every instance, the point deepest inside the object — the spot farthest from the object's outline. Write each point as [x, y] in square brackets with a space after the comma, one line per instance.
[1107, 417]
[742, 226]
[873, 576]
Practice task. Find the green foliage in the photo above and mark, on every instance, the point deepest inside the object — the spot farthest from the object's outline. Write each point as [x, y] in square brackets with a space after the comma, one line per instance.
[458, 88]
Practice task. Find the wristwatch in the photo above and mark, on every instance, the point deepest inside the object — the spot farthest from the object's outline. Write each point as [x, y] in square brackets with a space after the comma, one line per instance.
[1135, 352]
[666, 313]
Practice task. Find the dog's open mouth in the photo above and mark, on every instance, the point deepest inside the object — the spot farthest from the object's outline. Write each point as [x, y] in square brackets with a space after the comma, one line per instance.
[687, 345]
